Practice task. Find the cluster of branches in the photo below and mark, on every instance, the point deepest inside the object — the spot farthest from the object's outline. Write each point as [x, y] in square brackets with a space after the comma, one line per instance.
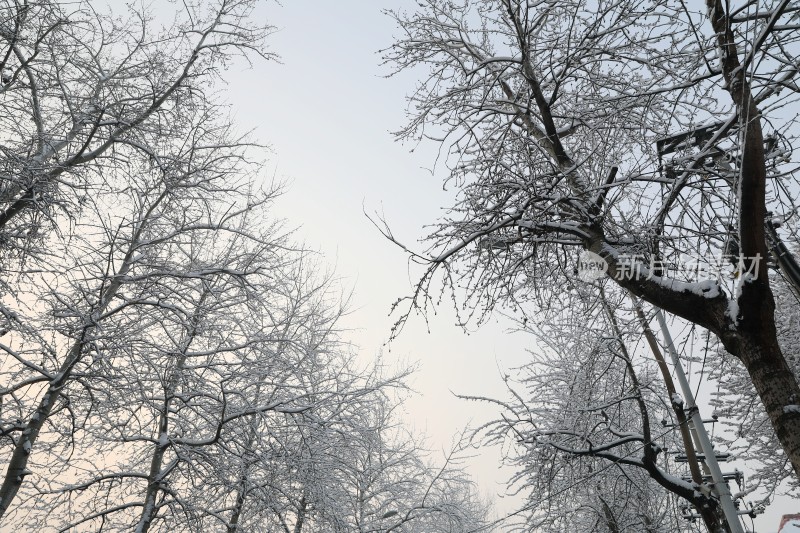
[652, 134]
[592, 430]
[172, 360]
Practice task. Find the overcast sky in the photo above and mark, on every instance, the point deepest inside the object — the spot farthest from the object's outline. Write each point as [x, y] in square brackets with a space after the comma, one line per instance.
[328, 112]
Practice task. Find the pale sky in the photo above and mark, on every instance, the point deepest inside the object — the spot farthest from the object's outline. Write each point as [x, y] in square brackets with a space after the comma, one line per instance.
[327, 111]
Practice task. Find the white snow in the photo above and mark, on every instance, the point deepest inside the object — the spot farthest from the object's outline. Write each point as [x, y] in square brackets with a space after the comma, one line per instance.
[732, 311]
[705, 288]
[676, 399]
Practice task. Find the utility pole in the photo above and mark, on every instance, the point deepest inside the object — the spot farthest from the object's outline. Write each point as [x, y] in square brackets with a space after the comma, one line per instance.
[720, 486]
[711, 517]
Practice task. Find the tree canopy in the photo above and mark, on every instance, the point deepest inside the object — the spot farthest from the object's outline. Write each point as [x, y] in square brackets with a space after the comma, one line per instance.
[652, 134]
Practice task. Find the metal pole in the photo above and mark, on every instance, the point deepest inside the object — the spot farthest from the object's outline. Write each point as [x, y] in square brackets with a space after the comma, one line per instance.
[721, 487]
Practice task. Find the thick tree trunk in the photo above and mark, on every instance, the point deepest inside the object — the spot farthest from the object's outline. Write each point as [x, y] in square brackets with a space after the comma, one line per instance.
[755, 339]
[18, 465]
[775, 384]
[751, 337]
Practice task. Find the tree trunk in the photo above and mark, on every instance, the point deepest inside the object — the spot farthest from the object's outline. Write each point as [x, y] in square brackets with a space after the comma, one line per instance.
[238, 506]
[775, 384]
[301, 515]
[608, 515]
[751, 336]
[18, 465]
[156, 475]
[755, 341]
[155, 478]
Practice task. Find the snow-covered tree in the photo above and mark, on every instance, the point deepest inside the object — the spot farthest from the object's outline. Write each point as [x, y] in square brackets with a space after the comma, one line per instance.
[649, 133]
[125, 267]
[115, 159]
[388, 482]
[748, 434]
[87, 88]
[582, 429]
[172, 360]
